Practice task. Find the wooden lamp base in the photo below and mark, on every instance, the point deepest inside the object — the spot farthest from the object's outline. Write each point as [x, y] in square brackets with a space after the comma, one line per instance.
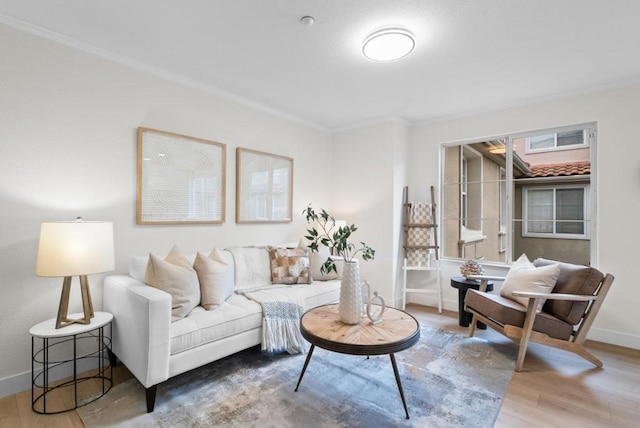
[63, 320]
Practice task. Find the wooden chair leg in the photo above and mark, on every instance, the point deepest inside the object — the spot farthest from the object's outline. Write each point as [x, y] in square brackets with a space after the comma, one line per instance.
[526, 332]
[472, 327]
[579, 350]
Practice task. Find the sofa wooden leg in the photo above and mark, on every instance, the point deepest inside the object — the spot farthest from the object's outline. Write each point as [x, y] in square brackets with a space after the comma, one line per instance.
[151, 397]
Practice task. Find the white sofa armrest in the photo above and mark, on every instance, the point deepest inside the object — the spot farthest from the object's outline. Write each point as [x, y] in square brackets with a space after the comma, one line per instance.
[141, 327]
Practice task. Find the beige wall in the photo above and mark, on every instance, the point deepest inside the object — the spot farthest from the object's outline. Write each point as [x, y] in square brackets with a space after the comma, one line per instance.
[491, 211]
[484, 207]
[615, 110]
[554, 156]
[369, 174]
[450, 223]
[68, 123]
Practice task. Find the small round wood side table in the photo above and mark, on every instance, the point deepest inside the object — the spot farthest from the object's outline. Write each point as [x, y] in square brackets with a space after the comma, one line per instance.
[322, 327]
[62, 351]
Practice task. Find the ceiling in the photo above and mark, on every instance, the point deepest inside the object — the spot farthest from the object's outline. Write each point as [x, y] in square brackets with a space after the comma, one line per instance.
[470, 55]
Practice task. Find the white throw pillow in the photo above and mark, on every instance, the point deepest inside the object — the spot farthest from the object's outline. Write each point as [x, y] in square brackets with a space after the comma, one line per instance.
[524, 276]
[252, 267]
[216, 279]
[316, 260]
[176, 276]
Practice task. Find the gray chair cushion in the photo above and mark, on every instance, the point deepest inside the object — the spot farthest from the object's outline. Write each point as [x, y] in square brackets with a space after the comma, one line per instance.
[573, 279]
[505, 311]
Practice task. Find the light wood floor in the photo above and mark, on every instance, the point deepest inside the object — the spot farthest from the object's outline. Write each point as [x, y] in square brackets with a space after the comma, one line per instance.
[557, 389]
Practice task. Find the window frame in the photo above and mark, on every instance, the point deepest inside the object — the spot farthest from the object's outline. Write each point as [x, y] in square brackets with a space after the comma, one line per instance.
[584, 145]
[470, 155]
[513, 229]
[554, 235]
[503, 213]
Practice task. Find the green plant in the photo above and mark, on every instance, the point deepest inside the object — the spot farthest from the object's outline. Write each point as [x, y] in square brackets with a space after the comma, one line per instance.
[337, 239]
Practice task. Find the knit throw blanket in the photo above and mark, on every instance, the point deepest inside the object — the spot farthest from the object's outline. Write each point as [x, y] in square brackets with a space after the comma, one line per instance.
[282, 308]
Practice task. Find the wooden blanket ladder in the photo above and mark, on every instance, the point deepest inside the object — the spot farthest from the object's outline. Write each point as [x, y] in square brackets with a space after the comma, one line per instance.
[421, 249]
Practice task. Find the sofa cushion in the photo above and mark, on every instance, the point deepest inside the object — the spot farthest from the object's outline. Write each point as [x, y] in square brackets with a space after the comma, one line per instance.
[320, 293]
[215, 275]
[236, 315]
[176, 276]
[573, 279]
[252, 267]
[506, 311]
[289, 265]
[524, 276]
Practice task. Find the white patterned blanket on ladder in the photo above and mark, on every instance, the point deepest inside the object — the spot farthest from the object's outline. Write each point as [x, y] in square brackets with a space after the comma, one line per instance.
[420, 214]
[282, 308]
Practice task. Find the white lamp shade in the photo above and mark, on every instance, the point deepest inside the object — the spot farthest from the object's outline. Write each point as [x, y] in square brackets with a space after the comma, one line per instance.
[75, 248]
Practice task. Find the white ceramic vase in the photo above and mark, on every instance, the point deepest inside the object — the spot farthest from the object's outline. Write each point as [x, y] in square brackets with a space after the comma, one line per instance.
[350, 307]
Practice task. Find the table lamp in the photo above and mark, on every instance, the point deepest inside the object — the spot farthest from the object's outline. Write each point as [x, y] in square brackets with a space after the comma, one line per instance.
[75, 248]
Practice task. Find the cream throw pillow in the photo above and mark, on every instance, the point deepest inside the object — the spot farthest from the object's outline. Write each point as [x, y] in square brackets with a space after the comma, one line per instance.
[316, 260]
[216, 279]
[524, 276]
[252, 267]
[176, 276]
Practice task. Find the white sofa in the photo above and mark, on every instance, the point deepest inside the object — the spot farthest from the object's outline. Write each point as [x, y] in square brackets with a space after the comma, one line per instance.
[154, 348]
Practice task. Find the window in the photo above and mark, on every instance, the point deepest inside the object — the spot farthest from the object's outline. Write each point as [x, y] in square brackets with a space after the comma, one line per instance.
[464, 201]
[557, 141]
[508, 195]
[502, 234]
[555, 212]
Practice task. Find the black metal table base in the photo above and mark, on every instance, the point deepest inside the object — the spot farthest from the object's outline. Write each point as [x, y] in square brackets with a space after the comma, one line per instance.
[41, 382]
[395, 372]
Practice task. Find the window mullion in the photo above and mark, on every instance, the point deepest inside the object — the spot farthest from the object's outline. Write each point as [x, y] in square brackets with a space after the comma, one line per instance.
[554, 210]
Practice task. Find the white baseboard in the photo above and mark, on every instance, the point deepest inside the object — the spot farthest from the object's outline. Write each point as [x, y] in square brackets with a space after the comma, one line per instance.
[432, 301]
[614, 338]
[22, 381]
[14, 384]
[596, 334]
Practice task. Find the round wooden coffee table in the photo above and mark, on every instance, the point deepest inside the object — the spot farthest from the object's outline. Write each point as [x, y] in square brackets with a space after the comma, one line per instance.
[322, 327]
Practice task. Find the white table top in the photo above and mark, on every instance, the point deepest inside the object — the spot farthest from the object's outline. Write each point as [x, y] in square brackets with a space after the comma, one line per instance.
[48, 328]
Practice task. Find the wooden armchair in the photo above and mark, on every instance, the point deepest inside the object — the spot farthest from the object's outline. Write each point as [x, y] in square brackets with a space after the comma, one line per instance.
[566, 316]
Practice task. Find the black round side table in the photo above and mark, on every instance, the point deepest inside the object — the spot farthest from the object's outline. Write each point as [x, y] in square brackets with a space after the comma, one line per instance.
[463, 284]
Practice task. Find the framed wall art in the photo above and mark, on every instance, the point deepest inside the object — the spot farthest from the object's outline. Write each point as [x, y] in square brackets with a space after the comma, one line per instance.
[264, 187]
[180, 179]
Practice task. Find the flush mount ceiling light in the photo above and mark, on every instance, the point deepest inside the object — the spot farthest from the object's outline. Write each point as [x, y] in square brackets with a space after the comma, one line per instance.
[388, 44]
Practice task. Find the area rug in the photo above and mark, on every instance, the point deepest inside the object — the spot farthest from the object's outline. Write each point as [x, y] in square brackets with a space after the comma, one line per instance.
[449, 380]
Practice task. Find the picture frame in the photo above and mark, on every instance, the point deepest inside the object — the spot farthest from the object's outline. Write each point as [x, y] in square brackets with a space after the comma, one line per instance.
[264, 187]
[180, 179]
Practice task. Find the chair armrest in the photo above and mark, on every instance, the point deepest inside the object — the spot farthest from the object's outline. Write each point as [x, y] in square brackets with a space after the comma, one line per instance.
[141, 327]
[484, 280]
[486, 277]
[554, 296]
